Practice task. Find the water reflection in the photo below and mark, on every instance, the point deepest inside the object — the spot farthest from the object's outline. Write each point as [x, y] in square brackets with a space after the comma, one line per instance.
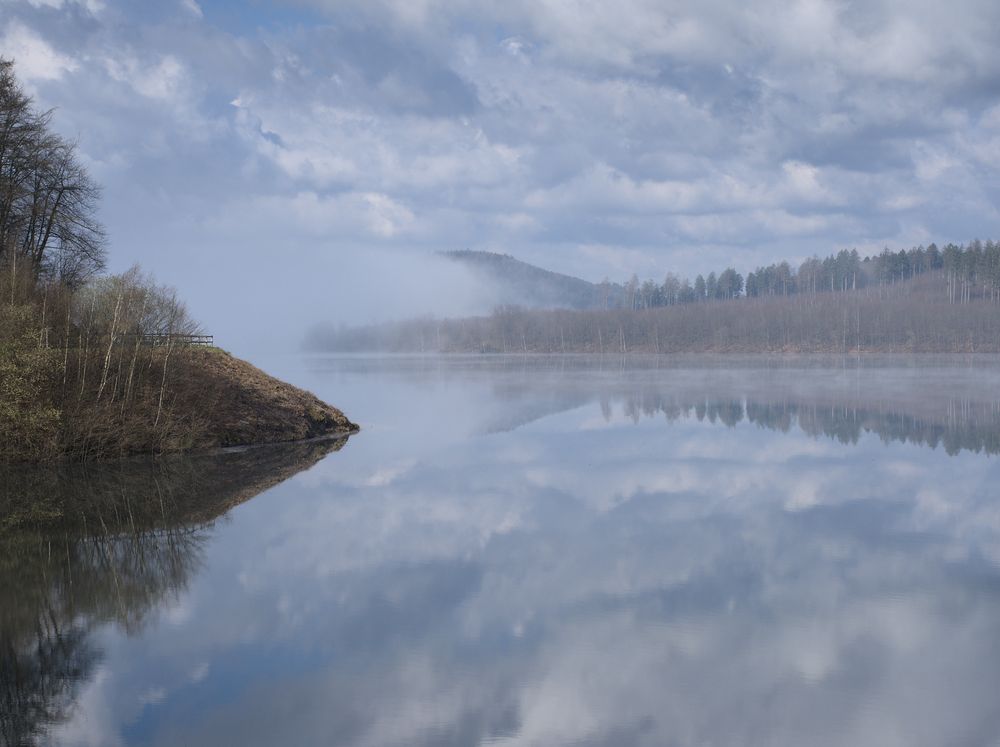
[536, 553]
[933, 401]
[965, 425]
[83, 546]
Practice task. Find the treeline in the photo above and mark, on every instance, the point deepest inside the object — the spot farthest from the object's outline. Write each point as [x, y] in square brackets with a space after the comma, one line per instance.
[914, 314]
[971, 271]
[48, 200]
[75, 378]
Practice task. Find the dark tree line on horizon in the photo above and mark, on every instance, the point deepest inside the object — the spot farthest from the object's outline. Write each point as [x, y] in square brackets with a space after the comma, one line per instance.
[972, 271]
[918, 314]
[923, 299]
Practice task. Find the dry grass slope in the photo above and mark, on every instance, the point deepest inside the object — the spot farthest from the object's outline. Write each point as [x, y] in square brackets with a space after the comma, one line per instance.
[111, 398]
[251, 407]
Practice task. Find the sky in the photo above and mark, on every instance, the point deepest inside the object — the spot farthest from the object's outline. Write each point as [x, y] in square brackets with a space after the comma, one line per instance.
[284, 162]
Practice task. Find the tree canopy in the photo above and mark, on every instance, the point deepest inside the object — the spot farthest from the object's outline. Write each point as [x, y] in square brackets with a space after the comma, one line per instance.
[48, 201]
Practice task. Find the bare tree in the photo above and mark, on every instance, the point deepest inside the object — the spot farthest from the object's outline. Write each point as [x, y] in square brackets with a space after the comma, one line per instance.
[48, 202]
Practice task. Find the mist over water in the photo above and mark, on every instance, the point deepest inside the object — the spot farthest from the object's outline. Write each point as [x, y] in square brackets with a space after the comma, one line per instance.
[273, 305]
[559, 551]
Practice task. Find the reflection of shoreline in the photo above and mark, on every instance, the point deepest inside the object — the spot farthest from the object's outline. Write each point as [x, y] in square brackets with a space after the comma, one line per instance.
[86, 545]
[410, 364]
[967, 428]
[148, 493]
[927, 400]
[956, 423]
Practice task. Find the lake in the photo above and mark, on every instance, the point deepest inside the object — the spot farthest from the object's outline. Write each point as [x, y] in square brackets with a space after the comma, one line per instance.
[532, 551]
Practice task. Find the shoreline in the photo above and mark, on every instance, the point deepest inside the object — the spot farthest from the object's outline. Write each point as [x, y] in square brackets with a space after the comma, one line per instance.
[205, 400]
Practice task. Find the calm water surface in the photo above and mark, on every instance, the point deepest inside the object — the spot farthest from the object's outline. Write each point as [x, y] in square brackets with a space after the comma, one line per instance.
[534, 552]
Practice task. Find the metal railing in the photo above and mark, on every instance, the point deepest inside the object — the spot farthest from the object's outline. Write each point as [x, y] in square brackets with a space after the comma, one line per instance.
[146, 339]
[159, 339]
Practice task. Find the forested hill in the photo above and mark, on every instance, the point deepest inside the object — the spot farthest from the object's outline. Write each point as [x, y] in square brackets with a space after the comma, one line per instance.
[923, 299]
[518, 283]
[970, 271]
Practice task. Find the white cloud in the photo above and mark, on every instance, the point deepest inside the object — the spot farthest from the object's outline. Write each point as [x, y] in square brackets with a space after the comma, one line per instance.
[163, 80]
[36, 59]
[93, 6]
[192, 7]
[357, 215]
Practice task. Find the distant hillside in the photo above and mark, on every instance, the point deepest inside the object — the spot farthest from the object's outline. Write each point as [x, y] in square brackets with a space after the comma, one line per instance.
[923, 299]
[521, 284]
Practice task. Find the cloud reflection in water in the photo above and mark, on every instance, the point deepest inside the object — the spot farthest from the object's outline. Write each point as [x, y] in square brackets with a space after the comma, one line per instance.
[691, 557]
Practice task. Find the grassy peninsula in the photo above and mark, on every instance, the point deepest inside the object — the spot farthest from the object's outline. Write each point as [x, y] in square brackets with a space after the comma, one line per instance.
[99, 387]
[97, 366]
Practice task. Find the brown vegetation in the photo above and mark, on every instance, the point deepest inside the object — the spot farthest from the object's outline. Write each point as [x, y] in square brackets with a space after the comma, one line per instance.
[246, 406]
[78, 378]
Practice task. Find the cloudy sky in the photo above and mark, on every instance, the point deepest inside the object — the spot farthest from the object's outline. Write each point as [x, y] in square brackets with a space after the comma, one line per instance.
[304, 156]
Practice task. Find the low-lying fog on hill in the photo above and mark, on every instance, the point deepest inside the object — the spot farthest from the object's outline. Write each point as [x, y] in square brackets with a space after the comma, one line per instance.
[921, 300]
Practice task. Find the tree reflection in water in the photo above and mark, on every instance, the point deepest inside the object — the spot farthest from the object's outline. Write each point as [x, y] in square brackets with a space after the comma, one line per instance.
[82, 546]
